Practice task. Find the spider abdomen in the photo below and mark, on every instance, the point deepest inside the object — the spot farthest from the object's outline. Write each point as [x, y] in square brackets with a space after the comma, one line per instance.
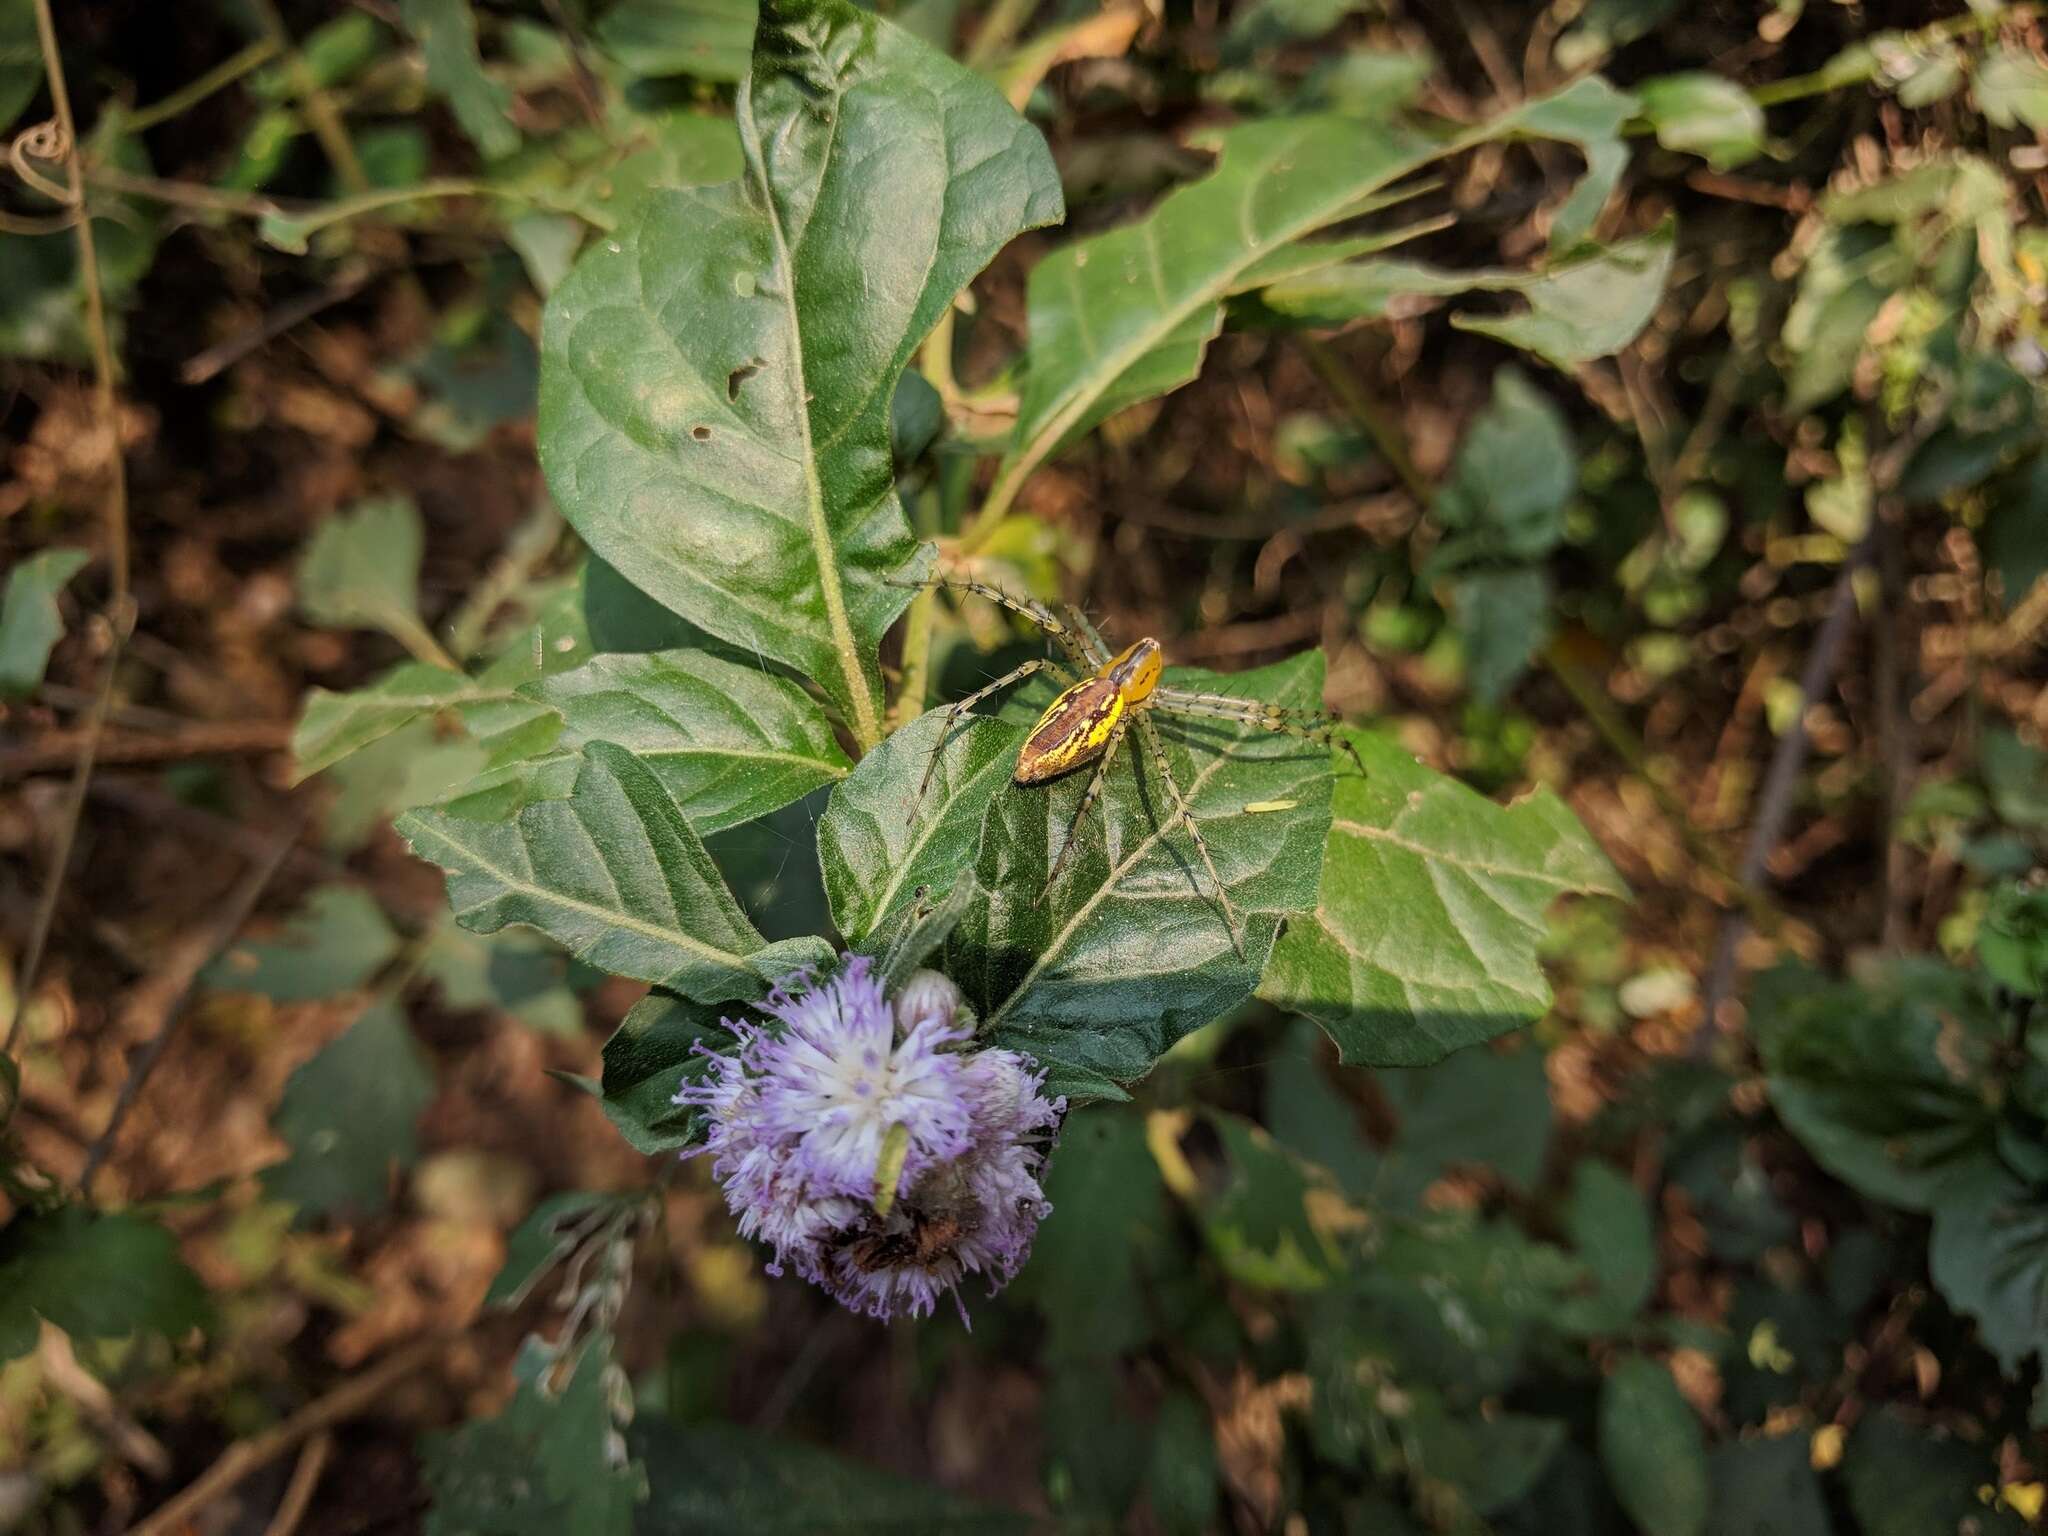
[1074, 729]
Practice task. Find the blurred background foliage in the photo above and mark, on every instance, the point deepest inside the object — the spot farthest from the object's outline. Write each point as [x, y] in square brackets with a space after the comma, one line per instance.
[1692, 469]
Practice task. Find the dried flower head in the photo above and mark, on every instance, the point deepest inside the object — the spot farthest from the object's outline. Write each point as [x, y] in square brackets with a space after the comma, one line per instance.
[879, 1154]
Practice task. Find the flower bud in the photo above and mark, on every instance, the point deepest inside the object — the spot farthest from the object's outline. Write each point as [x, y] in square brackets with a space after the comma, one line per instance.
[928, 997]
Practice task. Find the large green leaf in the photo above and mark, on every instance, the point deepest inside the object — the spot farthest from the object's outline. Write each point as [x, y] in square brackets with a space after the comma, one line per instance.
[550, 1464]
[333, 944]
[1130, 950]
[705, 39]
[1989, 1258]
[1127, 315]
[1876, 1079]
[876, 855]
[716, 379]
[615, 875]
[348, 1115]
[1906, 1480]
[1425, 930]
[728, 742]
[1654, 1450]
[30, 623]
[714, 1479]
[96, 1276]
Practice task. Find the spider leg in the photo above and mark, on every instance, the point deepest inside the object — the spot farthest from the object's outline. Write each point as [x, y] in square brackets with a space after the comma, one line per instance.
[956, 711]
[1064, 636]
[1091, 638]
[1088, 799]
[1187, 819]
[1314, 725]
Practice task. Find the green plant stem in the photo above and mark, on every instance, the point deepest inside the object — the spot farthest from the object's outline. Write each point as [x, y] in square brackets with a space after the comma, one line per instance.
[218, 78]
[1832, 77]
[321, 113]
[917, 657]
[998, 30]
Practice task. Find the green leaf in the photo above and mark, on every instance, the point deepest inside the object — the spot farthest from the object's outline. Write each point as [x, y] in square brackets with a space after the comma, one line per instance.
[446, 31]
[96, 1275]
[21, 59]
[715, 1479]
[1503, 620]
[514, 972]
[30, 623]
[1609, 1225]
[1989, 1257]
[1130, 951]
[334, 944]
[1871, 1078]
[1107, 1232]
[1127, 315]
[728, 742]
[1654, 1450]
[1767, 1487]
[616, 876]
[1307, 1114]
[704, 39]
[1181, 1473]
[716, 379]
[551, 1464]
[1705, 115]
[1515, 470]
[348, 1115]
[2012, 89]
[1426, 927]
[1256, 1218]
[334, 726]
[1589, 304]
[875, 853]
[361, 570]
[1904, 1481]
[1481, 1109]
[2012, 940]
[1492, 1462]
[648, 1059]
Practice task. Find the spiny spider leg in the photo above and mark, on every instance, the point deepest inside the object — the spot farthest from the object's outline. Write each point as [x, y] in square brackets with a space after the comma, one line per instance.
[1091, 637]
[953, 714]
[1066, 638]
[1187, 819]
[1088, 799]
[1314, 725]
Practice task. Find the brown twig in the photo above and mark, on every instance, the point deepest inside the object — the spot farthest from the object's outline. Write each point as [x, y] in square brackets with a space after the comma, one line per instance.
[1774, 799]
[202, 366]
[223, 738]
[162, 998]
[298, 1493]
[344, 1402]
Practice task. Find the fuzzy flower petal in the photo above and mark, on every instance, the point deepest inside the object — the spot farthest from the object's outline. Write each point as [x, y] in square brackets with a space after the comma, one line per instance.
[817, 1100]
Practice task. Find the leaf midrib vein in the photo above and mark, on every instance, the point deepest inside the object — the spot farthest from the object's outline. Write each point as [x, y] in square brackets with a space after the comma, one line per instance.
[620, 919]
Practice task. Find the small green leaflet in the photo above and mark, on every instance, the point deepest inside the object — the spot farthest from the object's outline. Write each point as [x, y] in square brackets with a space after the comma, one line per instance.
[96, 1275]
[30, 624]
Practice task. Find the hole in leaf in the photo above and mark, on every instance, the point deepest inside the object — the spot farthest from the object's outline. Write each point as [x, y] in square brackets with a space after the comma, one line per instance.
[739, 376]
[702, 434]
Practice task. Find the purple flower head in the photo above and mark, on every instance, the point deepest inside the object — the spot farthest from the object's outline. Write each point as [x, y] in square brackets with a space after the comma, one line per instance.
[871, 1146]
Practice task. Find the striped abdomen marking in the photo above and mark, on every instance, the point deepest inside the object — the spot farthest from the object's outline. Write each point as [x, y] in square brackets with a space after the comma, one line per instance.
[1073, 730]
